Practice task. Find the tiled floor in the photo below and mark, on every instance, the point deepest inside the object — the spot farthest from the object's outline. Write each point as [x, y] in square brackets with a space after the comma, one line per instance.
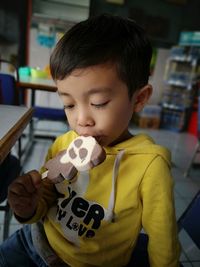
[181, 147]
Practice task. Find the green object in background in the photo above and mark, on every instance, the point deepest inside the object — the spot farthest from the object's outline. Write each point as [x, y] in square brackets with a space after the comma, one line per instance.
[32, 72]
[24, 71]
[38, 73]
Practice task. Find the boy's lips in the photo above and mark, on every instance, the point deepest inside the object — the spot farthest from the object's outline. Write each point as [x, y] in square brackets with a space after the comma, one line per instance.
[98, 138]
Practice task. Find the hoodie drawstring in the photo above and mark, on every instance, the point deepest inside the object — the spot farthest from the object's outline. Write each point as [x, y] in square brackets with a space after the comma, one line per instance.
[111, 205]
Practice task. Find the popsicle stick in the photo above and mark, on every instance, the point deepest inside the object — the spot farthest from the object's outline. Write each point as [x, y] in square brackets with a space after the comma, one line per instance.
[44, 174]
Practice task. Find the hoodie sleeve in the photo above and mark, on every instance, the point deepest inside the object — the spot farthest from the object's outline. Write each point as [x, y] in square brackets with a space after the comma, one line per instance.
[158, 216]
[48, 194]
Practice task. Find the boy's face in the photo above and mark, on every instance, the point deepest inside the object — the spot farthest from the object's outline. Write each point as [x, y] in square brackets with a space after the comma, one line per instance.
[97, 104]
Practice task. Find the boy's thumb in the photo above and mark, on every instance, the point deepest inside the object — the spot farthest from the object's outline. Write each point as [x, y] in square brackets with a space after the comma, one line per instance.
[35, 178]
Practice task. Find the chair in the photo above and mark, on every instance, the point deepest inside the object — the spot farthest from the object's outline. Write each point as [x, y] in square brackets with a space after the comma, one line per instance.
[42, 113]
[139, 256]
[9, 94]
[190, 220]
[47, 114]
[9, 170]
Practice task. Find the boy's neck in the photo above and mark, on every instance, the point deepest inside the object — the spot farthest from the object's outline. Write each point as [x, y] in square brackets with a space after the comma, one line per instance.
[125, 136]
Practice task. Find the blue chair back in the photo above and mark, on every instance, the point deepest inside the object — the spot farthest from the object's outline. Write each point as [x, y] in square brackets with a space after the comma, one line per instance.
[49, 113]
[9, 94]
[190, 220]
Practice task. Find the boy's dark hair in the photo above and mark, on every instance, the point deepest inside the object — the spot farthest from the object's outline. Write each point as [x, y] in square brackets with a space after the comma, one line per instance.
[103, 39]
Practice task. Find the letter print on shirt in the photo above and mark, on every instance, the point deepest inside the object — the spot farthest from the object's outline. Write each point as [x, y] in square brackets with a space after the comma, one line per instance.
[77, 216]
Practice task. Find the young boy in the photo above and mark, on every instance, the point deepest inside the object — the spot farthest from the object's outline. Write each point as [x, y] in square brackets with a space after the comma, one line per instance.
[101, 68]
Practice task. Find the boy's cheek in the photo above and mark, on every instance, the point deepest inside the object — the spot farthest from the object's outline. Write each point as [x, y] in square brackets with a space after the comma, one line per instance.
[69, 120]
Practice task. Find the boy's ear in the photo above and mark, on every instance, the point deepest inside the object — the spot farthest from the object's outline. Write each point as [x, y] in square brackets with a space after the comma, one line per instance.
[141, 97]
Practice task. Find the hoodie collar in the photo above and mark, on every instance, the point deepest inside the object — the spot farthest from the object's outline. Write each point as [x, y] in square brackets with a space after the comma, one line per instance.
[140, 144]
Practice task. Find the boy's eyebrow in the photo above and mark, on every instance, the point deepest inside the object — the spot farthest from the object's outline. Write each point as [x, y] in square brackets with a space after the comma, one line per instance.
[91, 91]
[99, 90]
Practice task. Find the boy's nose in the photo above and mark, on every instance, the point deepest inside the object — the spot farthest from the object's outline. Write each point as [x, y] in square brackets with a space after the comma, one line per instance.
[85, 119]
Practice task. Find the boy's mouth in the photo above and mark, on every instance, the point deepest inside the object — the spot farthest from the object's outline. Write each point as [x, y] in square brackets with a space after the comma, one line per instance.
[98, 138]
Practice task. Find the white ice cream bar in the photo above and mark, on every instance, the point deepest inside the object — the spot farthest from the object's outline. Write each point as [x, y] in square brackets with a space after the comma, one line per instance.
[82, 154]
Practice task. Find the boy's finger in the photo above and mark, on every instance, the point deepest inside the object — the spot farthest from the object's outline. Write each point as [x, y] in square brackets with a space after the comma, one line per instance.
[35, 177]
[21, 201]
[20, 189]
[26, 184]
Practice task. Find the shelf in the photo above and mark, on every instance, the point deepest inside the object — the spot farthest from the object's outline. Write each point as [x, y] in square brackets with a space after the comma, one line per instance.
[174, 107]
[184, 59]
[179, 84]
[180, 80]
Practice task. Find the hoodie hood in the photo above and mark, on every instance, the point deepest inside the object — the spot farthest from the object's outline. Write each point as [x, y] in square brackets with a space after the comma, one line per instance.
[140, 144]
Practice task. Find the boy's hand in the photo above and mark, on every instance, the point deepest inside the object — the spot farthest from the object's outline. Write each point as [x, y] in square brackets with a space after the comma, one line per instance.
[24, 194]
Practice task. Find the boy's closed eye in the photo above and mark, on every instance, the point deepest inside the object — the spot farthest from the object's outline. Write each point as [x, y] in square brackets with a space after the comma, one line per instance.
[100, 105]
[96, 105]
[68, 106]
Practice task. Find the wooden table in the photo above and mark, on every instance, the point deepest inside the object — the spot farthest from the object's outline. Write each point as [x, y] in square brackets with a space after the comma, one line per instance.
[37, 83]
[28, 82]
[13, 120]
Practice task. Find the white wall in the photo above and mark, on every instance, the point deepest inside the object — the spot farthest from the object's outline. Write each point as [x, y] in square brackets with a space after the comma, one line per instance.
[39, 57]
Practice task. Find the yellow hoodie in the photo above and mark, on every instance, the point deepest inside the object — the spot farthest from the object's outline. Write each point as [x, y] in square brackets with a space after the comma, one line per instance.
[96, 219]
